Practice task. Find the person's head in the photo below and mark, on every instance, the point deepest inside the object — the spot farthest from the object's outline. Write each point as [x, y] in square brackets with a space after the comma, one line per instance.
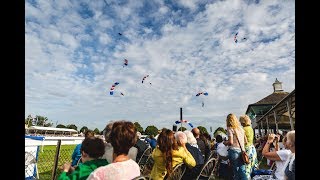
[207, 136]
[107, 131]
[92, 147]
[123, 136]
[180, 137]
[88, 133]
[232, 121]
[196, 132]
[166, 143]
[245, 120]
[219, 138]
[284, 142]
[190, 137]
[138, 134]
[291, 140]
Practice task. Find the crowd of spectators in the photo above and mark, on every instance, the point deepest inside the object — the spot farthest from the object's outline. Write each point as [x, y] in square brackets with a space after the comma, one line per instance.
[117, 154]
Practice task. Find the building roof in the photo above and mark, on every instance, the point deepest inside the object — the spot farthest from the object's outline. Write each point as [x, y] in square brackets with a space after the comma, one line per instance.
[264, 105]
[273, 98]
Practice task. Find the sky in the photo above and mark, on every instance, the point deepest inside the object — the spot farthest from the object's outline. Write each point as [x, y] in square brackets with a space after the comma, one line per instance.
[74, 54]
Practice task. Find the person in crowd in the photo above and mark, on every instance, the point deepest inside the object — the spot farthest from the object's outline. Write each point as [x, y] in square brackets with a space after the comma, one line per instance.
[91, 149]
[224, 171]
[201, 144]
[108, 155]
[236, 135]
[212, 144]
[76, 155]
[122, 137]
[278, 156]
[290, 170]
[262, 141]
[168, 154]
[250, 148]
[140, 145]
[152, 141]
[191, 139]
[182, 140]
[206, 138]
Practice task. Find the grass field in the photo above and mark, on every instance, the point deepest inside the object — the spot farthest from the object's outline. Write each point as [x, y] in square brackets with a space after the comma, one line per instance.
[46, 160]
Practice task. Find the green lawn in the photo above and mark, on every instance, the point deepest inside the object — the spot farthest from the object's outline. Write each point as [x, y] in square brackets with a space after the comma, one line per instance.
[46, 159]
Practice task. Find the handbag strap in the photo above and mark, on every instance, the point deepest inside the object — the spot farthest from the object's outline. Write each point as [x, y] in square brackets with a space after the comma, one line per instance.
[238, 140]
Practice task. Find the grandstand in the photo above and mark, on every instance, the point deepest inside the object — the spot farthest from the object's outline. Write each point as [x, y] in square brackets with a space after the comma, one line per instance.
[50, 131]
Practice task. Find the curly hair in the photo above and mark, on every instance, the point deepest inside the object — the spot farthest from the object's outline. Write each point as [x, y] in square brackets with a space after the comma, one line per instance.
[167, 142]
[245, 120]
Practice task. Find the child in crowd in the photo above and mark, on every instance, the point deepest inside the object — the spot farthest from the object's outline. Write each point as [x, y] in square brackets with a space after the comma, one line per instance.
[92, 149]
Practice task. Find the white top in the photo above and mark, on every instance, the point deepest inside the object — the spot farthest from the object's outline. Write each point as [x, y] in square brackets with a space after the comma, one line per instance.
[284, 154]
[222, 150]
[118, 171]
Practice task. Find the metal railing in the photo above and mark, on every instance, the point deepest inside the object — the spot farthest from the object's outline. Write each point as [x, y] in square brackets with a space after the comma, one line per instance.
[45, 164]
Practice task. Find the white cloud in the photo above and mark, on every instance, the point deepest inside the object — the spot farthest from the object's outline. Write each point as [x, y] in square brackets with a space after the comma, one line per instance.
[70, 69]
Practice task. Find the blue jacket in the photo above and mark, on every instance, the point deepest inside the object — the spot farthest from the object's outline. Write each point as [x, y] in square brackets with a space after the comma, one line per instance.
[152, 142]
[76, 155]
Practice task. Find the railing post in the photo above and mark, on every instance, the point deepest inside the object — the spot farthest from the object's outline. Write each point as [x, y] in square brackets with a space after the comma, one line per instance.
[275, 121]
[56, 159]
[268, 131]
[290, 115]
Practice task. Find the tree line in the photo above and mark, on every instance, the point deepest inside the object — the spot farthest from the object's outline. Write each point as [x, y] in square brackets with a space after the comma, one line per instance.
[150, 130]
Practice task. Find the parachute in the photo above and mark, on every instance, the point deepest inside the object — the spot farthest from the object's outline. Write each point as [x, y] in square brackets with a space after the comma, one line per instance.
[113, 88]
[236, 38]
[144, 78]
[184, 121]
[203, 93]
[125, 62]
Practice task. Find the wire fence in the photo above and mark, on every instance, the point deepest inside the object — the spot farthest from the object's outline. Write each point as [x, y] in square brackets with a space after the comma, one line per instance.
[45, 164]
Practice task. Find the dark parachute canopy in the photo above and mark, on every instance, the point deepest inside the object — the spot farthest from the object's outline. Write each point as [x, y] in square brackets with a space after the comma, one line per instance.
[144, 78]
[236, 38]
[125, 62]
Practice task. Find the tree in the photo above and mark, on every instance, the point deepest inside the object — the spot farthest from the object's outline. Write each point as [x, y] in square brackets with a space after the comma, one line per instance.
[202, 129]
[138, 127]
[60, 126]
[182, 128]
[72, 126]
[151, 130]
[84, 129]
[39, 121]
[219, 130]
[96, 131]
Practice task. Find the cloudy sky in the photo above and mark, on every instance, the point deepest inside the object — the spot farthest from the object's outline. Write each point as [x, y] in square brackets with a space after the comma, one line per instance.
[74, 53]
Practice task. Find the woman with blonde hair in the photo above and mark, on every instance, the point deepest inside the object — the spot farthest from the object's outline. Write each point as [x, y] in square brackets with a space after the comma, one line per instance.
[289, 170]
[250, 149]
[168, 154]
[236, 142]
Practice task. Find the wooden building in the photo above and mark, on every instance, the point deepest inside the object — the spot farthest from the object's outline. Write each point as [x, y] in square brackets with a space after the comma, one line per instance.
[274, 112]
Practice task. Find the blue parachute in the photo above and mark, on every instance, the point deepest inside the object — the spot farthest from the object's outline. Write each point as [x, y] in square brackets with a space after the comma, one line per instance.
[113, 88]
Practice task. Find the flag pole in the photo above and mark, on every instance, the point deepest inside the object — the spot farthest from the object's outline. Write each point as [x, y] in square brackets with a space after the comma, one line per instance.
[181, 117]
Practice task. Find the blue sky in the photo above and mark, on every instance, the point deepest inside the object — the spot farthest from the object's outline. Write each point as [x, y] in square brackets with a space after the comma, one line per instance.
[73, 54]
